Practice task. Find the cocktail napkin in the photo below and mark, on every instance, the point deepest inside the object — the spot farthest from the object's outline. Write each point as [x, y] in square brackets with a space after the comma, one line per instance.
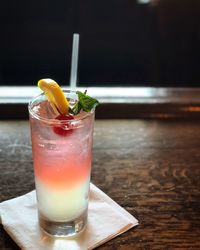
[106, 220]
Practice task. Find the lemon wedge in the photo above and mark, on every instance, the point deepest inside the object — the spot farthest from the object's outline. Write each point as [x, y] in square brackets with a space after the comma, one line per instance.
[55, 95]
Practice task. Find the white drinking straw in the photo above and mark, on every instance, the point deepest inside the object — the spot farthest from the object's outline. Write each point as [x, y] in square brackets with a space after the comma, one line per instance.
[74, 62]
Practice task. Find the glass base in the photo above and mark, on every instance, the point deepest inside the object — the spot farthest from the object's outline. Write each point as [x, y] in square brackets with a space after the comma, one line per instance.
[64, 229]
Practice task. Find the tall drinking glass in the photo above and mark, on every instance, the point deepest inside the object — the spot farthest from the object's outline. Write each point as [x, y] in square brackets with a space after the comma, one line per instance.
[62, 155]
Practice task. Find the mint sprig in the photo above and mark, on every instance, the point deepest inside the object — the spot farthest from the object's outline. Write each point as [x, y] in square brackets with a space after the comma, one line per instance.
[85, 103]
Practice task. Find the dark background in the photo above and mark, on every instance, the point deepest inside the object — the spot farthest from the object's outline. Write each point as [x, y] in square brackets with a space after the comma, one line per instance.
[122, 42]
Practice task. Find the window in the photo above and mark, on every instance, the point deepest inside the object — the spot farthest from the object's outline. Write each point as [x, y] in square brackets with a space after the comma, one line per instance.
[122, 43]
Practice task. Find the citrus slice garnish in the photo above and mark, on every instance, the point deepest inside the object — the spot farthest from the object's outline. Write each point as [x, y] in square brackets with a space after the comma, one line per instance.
[55, 95]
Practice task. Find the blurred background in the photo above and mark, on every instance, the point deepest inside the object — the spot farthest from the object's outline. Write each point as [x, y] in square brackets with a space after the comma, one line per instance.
[122, 42]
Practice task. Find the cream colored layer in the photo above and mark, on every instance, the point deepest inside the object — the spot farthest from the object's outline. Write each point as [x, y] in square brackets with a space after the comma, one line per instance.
[62, 205]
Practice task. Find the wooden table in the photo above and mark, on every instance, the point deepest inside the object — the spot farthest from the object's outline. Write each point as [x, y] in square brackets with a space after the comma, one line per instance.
[150, 167]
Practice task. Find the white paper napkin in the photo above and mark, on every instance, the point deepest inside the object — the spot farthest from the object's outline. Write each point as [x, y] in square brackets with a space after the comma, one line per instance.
[106, 220]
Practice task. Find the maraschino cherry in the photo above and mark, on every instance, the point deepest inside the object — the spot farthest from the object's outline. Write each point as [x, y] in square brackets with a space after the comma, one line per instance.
[59, 130]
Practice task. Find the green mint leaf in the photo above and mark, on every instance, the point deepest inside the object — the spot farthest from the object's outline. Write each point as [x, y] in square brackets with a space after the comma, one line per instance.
[76, 109]
[86, 102]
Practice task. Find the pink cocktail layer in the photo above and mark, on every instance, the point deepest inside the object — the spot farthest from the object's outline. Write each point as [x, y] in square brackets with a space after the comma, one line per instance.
[62, 173]
[61, 162]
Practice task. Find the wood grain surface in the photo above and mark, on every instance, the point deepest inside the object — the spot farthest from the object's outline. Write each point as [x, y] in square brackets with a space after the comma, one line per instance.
[150, 167]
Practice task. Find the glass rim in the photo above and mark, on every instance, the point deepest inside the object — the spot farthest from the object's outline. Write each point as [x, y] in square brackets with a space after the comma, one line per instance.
[54, 121]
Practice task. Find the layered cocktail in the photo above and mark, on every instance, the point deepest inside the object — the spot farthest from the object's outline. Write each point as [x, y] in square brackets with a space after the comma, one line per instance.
[62, 156]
